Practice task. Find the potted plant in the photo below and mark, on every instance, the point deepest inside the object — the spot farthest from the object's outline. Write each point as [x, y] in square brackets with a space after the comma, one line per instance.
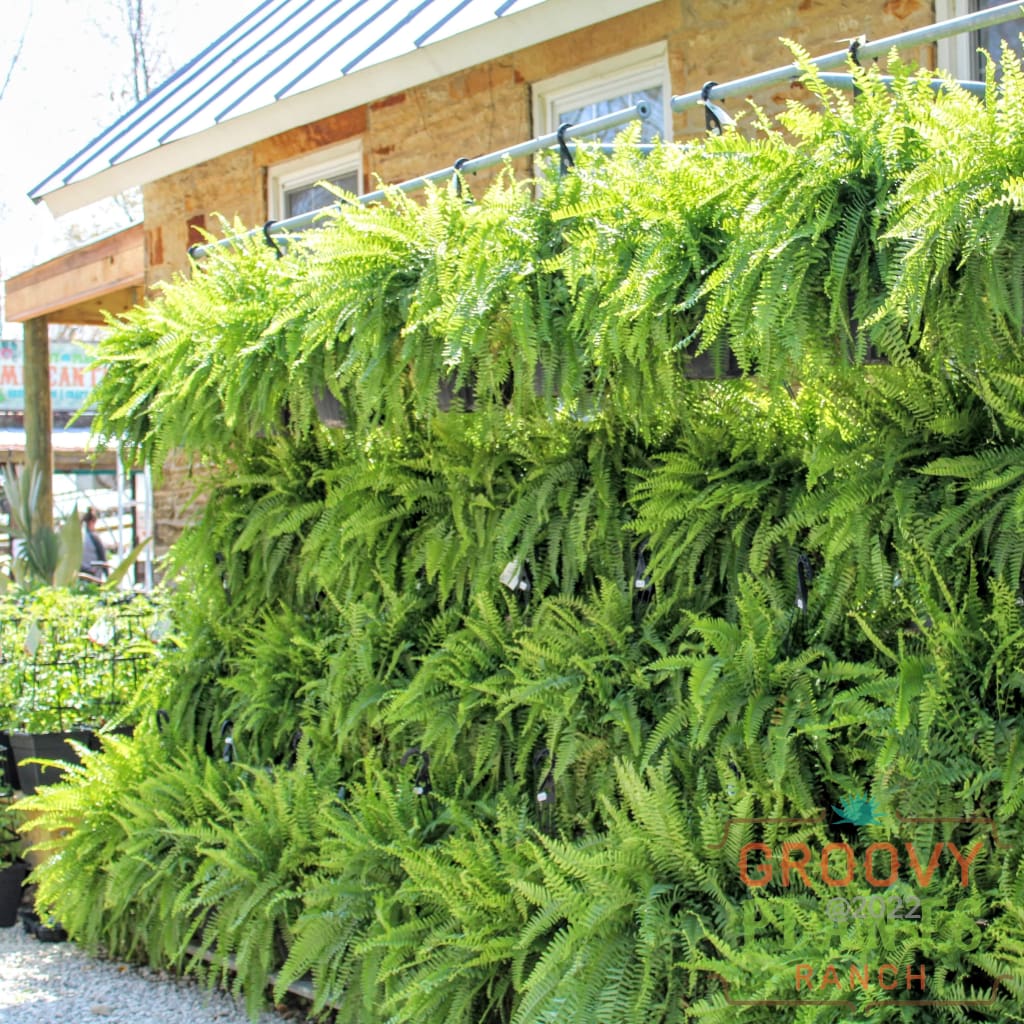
[46, 746]
[12, 868]
[70, 665]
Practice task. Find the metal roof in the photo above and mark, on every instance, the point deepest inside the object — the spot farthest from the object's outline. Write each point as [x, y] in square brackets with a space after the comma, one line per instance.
[284, 48]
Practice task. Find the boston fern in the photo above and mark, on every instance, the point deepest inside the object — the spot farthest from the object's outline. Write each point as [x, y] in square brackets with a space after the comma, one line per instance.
[546, 631]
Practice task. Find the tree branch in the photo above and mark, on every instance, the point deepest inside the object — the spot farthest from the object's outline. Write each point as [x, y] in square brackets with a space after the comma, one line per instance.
[16, 56]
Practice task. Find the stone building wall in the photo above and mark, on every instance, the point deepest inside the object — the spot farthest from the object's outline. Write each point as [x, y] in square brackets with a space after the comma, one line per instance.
[489, 107]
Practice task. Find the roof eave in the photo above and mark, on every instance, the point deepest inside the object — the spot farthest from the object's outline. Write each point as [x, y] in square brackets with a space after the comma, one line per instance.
[497, 38]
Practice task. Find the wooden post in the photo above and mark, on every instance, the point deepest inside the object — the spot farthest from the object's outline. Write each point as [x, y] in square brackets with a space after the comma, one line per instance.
[39, 416]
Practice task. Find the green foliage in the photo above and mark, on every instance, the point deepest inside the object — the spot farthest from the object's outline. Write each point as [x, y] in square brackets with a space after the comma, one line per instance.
[70, 659]
[524, 642]
[47, 556]
[10, 841]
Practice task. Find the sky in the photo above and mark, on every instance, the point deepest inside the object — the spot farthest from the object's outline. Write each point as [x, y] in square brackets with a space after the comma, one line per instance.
[70, 84]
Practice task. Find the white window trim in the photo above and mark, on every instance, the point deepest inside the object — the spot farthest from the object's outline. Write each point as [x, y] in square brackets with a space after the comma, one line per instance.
[623, 73]
[319, 165]
[954, 54]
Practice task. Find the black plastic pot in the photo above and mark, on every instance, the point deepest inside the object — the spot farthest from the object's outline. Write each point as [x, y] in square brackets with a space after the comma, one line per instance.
[451, 397]
[716, 363]
[8, 764]
[329, 410]
[51, 931]
[96, 738]
[12, 878]
[52, 746]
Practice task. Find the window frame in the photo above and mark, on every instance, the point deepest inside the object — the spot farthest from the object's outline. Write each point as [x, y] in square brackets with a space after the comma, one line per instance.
[602, 80]
[953, 54]
[308, 169]
[957, 53]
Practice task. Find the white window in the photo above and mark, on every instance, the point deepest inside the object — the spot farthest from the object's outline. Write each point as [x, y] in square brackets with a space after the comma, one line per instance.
[960, 53]
[293, 186]
[606, 87]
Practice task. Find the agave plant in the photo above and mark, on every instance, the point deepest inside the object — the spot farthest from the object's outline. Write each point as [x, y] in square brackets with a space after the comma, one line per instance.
[45, 555]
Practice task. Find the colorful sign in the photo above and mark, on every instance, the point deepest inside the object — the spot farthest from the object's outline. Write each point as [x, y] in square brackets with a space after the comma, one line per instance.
[72, 376]
[856, 922]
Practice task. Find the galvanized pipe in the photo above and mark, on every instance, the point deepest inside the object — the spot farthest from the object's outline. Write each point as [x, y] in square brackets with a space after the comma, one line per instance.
[877, 48]
[639, 112]
[837, 80]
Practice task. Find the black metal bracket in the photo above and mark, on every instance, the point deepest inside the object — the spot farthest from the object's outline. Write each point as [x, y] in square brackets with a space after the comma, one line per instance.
[457, 178]
[711, 121]
[269, 239]
[421, 780]
[545, 790]
[804, 579]
[565, 159]
[855, 45]
[643, 587]
[229, 753]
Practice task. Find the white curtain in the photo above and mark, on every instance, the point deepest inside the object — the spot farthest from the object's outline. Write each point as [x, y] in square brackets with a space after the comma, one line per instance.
[307, 198]
[652, 128]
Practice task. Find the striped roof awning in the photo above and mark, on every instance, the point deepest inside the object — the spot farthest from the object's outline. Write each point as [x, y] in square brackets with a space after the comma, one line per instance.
[277, 61]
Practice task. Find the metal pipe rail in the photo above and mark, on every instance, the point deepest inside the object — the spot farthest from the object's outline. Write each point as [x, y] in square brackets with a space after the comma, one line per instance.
[639, 112]
[837, 80]
[867, 50]
[739, 86]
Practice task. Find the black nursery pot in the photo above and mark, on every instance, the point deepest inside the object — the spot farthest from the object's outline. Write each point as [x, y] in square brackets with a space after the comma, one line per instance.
[712, 365]
[96, 738]
[50, 745]
[8, 763]
[11, 880]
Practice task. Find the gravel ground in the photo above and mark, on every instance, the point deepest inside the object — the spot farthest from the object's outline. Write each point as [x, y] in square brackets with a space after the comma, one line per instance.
[56, 983]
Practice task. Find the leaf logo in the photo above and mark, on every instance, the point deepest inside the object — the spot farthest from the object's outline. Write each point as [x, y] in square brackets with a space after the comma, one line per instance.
[857, 810]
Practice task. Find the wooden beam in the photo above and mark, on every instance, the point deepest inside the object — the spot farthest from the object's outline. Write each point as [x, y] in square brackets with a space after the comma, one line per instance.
[106, 274]
[64, 460]
[91, 312]
[39, 417]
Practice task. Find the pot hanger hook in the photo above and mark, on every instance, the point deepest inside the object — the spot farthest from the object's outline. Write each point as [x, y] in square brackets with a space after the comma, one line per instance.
[715, 116]
[565, 159]
[457, 178]
[270, 240]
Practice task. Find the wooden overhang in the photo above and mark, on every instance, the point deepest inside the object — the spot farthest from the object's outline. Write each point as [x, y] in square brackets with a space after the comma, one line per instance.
[75, 288]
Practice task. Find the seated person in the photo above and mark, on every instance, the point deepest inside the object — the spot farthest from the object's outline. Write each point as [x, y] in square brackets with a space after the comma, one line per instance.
[94, 551]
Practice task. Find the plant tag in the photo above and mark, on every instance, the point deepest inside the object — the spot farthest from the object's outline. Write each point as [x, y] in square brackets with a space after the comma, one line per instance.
[33, 638]
[542, 797]
[102, 632]
[515, 577]
[160, 629]
[512, 576]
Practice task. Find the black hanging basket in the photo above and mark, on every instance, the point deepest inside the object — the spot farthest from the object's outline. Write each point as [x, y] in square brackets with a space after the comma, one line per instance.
[329, 410]
[871, 355]
[715, 363]
[451, 396]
